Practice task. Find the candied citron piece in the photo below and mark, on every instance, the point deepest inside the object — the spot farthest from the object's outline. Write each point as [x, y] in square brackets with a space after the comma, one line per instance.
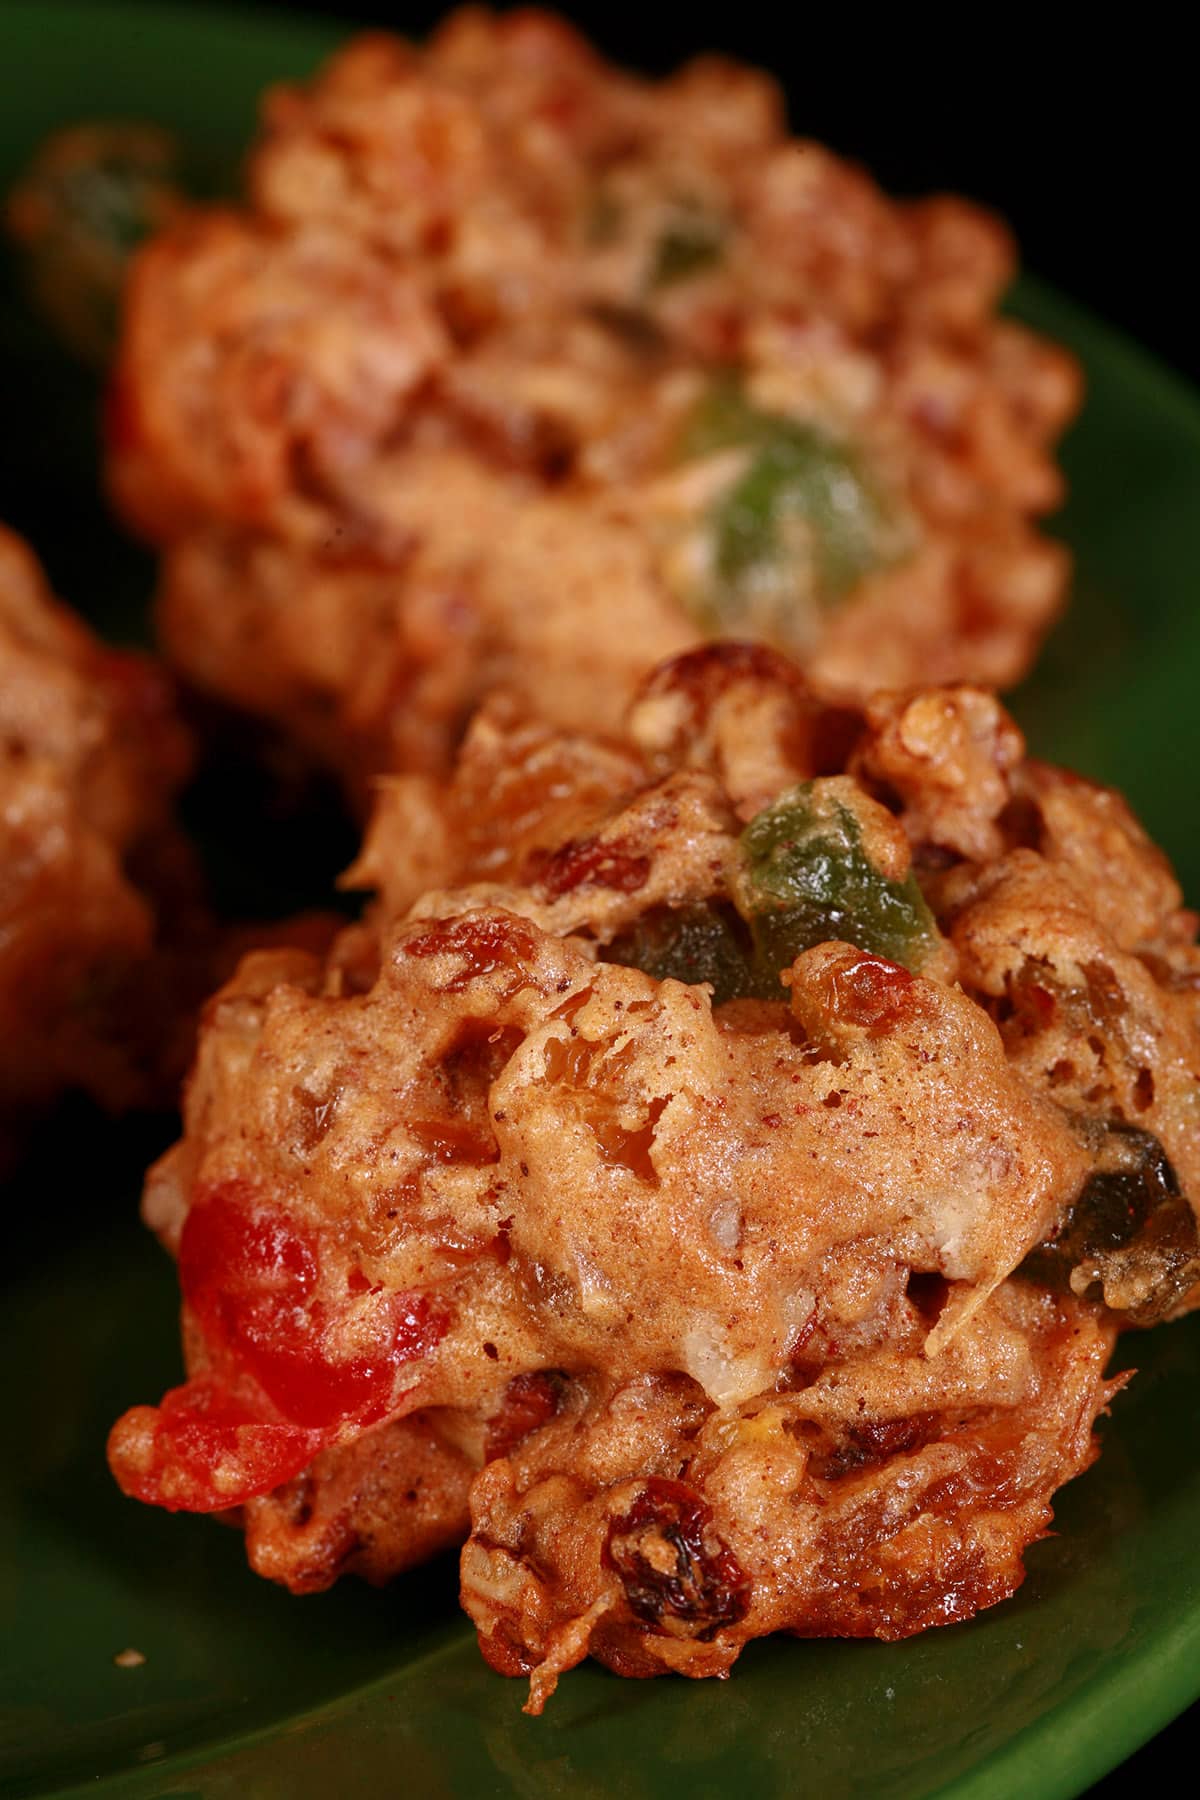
[811, 873]
[819, 863]
[802, 522]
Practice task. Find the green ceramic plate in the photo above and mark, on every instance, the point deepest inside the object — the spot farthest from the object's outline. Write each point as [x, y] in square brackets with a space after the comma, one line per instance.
[245, 1692]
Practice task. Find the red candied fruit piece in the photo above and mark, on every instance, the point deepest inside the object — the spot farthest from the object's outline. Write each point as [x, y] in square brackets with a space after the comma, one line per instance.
[252, 1277]
[276, 1395]
[488, 945]
[201, 1450]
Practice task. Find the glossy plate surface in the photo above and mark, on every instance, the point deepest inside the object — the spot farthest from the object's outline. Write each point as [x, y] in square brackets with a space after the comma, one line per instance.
[246, 1692]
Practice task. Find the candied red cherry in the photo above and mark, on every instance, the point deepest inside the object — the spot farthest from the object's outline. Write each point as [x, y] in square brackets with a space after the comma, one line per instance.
[272, 1304]
[273, 1307]
[202, 1450]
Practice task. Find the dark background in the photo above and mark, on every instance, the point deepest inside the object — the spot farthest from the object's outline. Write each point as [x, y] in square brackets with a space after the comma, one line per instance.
[1084, 140]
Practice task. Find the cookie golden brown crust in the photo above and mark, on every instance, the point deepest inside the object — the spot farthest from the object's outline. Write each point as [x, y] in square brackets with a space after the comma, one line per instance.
[889, 1494]
[518, 370]
[90, 757]
[719, 1165]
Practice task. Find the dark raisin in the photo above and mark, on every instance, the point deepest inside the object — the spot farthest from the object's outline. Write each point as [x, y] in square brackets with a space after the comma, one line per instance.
[873, 1442]
[701, 942]
[679, 1578]
[530, 1401]
[1130, 1238]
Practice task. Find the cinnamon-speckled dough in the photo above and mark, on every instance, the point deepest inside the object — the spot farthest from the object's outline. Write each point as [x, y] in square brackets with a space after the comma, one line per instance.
[459, 397]
[698, 1313]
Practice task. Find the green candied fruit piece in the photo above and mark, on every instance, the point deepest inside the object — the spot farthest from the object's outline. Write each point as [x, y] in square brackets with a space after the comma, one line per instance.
[692, 240]
[698, 942]
[807, 877]
[805, 494]
[722, 419]
[92, 194]
[802, 524]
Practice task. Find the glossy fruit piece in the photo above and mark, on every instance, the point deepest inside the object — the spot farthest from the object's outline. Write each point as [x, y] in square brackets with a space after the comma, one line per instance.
[1130, 1239]
[202, 1450]
[811, 874]
[801, 522]
[272, 1301]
